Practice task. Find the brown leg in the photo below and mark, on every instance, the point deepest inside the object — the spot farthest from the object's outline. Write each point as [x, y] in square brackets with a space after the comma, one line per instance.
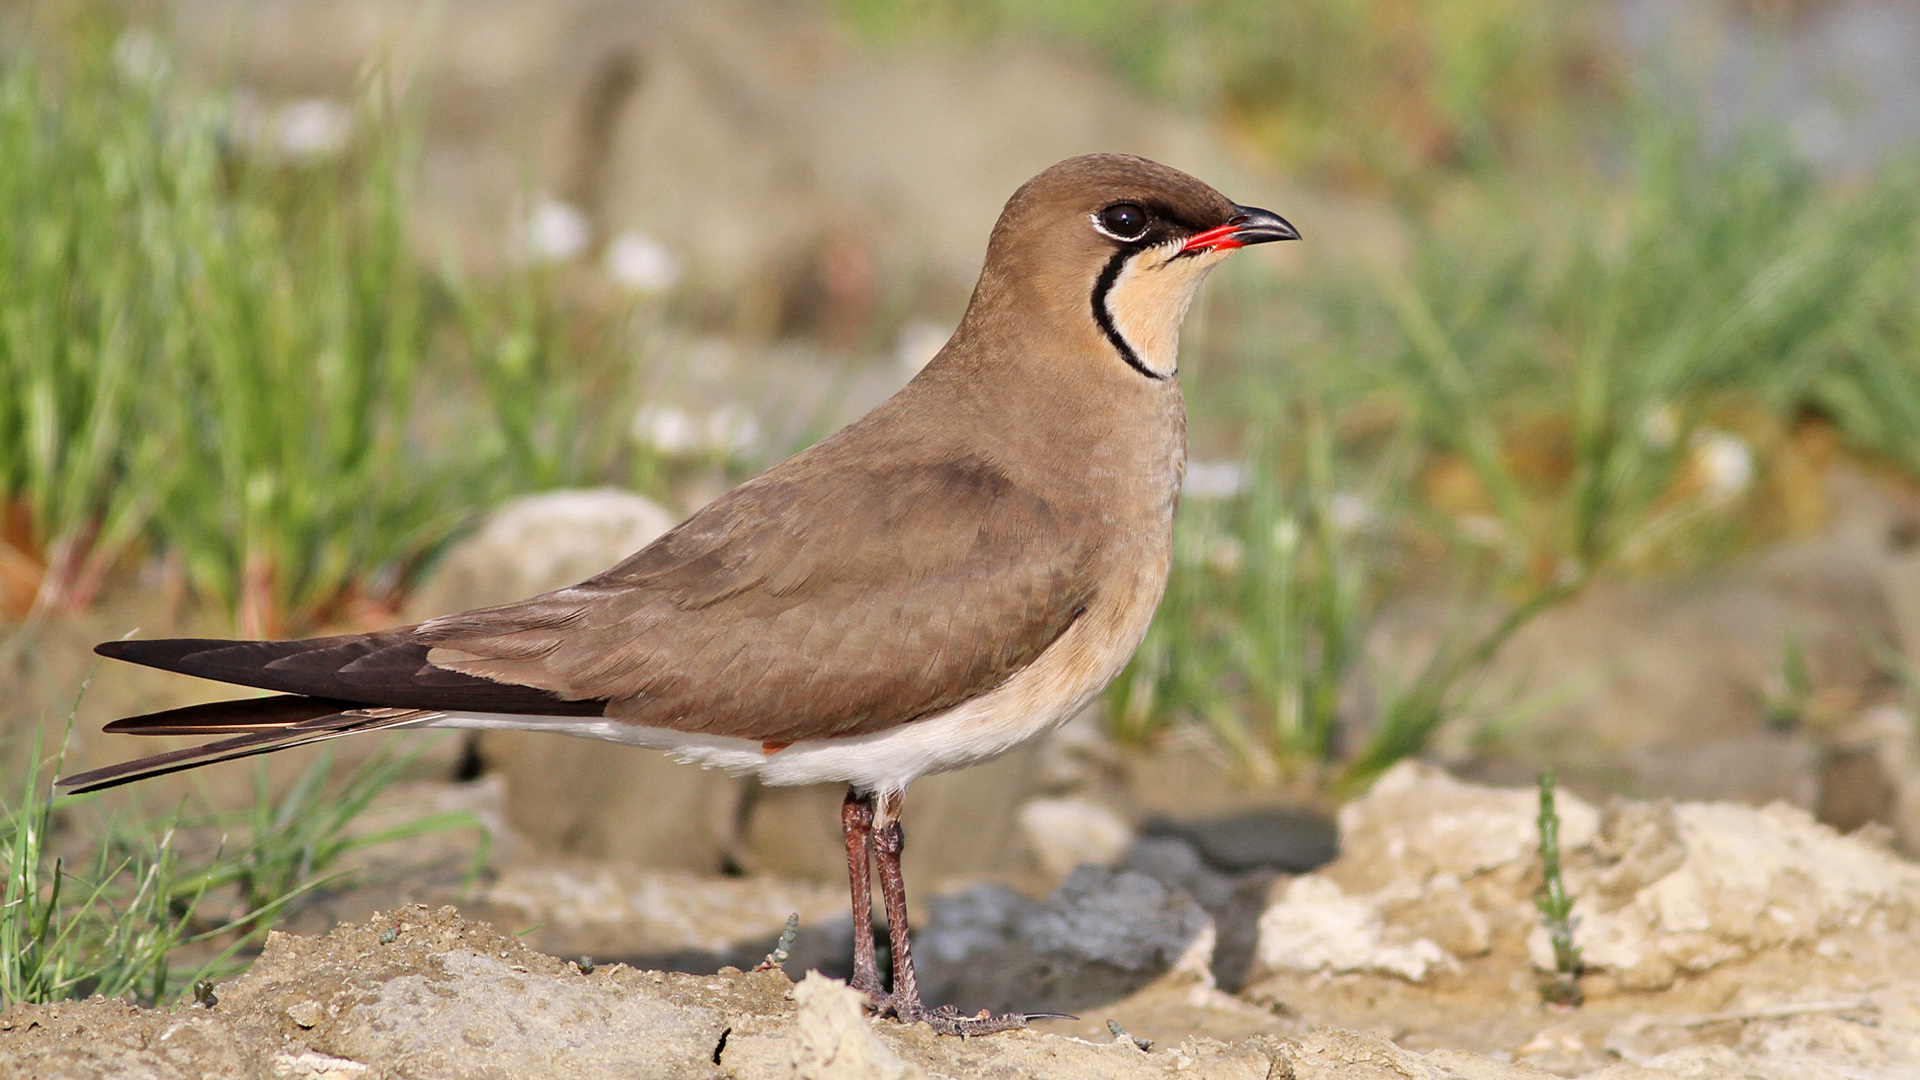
[856, 822]
[888, 840]
[904, 1002]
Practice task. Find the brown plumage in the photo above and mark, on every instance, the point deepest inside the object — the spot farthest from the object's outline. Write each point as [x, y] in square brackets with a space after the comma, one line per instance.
[949, 575]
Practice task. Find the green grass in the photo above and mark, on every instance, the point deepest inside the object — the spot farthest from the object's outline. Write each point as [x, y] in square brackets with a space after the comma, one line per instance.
[219, 355]
[130, 913]
[107, 926]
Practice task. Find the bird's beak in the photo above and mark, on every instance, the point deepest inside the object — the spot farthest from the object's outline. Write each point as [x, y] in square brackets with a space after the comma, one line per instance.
[1251, 225]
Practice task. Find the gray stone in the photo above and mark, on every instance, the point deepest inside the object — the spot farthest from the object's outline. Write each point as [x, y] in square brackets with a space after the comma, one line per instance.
[1100, 936]
[1234, 901]
[1273, 838]
[971, 923]
[1126, 920]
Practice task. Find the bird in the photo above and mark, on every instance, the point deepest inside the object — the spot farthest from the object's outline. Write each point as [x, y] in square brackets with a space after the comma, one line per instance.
[954, 573]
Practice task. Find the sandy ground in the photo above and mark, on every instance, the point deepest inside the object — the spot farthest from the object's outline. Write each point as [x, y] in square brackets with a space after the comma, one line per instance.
[1721, 941]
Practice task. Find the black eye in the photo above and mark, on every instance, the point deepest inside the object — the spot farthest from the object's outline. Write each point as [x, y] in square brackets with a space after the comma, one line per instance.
[1124, 220]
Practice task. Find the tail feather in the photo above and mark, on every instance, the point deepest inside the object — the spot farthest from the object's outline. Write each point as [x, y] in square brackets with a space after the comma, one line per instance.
[389, 668]
[327, 687]
[232, 717]
[331, 725]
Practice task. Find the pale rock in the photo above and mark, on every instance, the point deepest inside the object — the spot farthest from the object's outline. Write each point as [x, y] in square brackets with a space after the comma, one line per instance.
[1316, 927]
[835, 1041]
[538, 543]
[316, 1066]
[1333, 1054]
[1065, 832]
[575, 796]
[1444, 912]
[1745, 880]
[1418, 822]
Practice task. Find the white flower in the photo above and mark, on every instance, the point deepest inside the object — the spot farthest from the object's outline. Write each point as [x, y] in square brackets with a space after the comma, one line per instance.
[557, 231]
[642, 263]
[312, 129]
[666, 428]
[727, 430]
[1724, 464]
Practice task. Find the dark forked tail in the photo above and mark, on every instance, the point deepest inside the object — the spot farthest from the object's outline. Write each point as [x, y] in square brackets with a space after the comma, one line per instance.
[266, 732]
[329, 687]
[387, 668]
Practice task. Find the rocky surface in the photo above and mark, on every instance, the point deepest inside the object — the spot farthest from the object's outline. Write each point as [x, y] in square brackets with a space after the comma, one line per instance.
[1722, 941]
[1715, 936]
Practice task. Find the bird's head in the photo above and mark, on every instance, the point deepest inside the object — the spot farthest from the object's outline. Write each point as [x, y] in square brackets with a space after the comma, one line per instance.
[1115, 246]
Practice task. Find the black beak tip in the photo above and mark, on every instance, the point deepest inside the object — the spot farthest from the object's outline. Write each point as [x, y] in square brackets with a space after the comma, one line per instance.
[1257, 226]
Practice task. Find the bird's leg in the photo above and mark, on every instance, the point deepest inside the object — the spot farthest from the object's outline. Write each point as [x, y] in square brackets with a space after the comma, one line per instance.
[904, 1002]
[856, 821]
[888, 839]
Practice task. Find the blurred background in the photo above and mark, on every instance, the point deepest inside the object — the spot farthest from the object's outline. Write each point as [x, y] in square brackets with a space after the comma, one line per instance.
[1583, 430]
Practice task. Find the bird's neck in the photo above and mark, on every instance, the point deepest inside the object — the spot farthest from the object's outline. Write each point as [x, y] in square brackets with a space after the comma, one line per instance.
[1050, 396]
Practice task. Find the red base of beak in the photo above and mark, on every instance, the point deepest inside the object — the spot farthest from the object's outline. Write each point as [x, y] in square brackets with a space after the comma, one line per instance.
[1220, 238]
[1251, 225]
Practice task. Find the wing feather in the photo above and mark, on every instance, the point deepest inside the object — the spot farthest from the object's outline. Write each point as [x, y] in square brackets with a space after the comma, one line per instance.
[796, 609]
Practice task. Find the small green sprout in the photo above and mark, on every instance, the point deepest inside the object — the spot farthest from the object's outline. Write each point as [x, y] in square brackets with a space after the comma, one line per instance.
[1556, 907]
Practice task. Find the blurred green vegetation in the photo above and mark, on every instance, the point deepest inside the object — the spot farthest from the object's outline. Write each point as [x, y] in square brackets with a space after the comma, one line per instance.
[1644, 379]
[1392, 94]
[231, 358]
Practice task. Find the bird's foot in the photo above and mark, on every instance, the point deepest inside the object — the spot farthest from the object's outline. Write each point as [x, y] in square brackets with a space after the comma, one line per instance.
[947, 1020]
[876, 997]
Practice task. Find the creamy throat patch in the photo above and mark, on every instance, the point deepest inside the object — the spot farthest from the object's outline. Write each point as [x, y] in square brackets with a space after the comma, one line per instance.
[1149, 298]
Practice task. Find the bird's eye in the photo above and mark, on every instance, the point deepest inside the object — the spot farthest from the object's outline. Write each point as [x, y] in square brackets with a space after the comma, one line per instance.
[1124, 221]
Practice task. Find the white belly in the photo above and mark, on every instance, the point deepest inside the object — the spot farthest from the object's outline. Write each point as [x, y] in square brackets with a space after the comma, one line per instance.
[884, 761]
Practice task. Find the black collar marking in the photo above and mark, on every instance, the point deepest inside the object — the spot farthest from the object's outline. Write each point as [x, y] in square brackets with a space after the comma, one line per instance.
[1101, 287]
